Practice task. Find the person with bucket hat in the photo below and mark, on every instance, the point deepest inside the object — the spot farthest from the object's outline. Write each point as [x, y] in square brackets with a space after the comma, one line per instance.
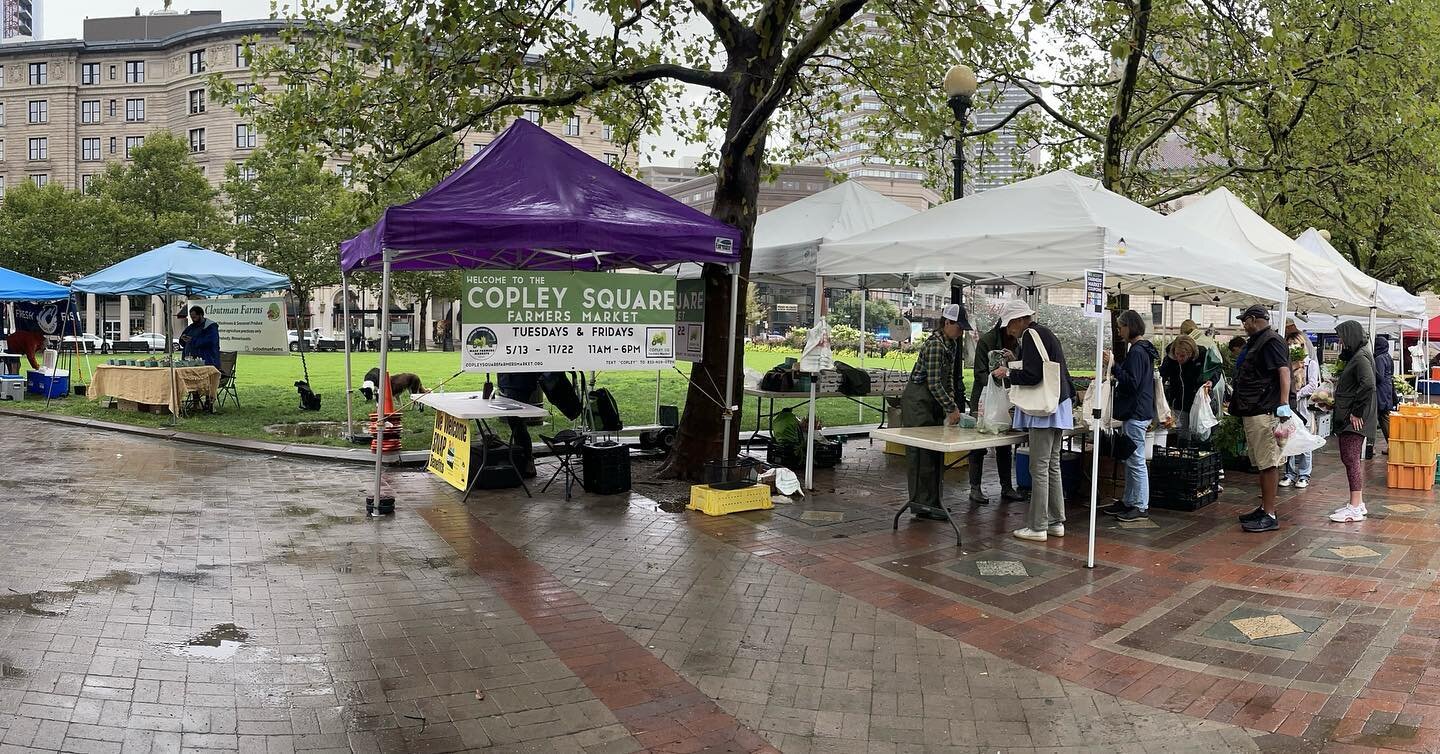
[931, 398]
[1037, 347]
[1260, 397]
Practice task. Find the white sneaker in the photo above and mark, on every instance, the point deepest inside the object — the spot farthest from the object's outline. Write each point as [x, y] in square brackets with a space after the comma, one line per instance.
[1030, 534]
[1286, 482]
[1348, 514]
[1056, 530]
[1301, 484]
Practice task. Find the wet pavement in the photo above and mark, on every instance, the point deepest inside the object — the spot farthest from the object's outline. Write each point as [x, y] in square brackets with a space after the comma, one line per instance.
[161, 597]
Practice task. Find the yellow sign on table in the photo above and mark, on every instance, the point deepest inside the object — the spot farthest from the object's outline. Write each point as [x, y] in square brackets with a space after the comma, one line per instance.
[450, 450]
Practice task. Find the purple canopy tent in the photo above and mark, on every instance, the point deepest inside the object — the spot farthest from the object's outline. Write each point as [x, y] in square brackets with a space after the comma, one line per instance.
[530, 201]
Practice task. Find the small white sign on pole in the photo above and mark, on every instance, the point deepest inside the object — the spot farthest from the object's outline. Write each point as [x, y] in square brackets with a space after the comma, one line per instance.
[1094, 293]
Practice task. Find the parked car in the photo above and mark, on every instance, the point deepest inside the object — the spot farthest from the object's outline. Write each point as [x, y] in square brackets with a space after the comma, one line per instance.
[155, 340]
[88, 343]
[312, 339]
[772, 337]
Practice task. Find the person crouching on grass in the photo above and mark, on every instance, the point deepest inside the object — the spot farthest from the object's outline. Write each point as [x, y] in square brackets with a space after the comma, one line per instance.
[1261, 392]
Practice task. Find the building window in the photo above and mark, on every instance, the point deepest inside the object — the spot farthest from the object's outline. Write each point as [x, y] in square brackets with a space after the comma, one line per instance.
[1197, 313]
[197, 61]
[2, 76]
[197, 101]
[39, 74]
[41, 180]
[2, 187]
[197, 140]
[244, 136]
[533, 116]
[131, 144]
[2, 113]
[89, 74]
[112, 73]
[85, 181]
[134, 110]
[242, 56]
[572, 126]
[90, 149]
[612, 159]
[479, 147]
[40, 148]
[90, 111]
[112, 108]
[607, 132]
[246, 174]
[112, 145]
[387, 63]
[343, 171]
[134, 71]
[39, 111]
[2, 150]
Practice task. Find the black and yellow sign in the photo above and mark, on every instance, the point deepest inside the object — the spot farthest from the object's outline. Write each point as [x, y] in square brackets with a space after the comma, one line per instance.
[450, 450]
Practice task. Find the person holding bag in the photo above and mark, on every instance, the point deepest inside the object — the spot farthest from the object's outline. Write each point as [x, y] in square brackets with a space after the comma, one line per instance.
[1304, 381]
[929, 400]
[1355, 414]
[995, 341]
[1184, 372]
[1135, 407]
[1043, 396]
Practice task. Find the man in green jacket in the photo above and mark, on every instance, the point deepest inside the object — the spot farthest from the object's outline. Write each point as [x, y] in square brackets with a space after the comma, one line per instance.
[930, 400]
[992, 340]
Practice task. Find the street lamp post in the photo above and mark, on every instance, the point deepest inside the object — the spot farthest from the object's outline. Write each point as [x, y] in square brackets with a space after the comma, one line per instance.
[959, 86]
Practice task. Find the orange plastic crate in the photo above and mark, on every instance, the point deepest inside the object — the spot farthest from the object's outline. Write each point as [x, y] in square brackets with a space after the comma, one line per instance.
[1419, 409]
[1411, 427]
[1402, 477]
[1414, 452]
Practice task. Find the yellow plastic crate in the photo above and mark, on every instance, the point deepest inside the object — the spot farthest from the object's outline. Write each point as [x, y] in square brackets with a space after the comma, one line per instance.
[1401, 477]
[1414, 452]
[713, 502]
[1405, 426]
[952, 460]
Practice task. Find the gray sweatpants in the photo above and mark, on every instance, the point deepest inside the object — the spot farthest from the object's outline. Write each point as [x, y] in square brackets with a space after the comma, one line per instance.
[1047, 492]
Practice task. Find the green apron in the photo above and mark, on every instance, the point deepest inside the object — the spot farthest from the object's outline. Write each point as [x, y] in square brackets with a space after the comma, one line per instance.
[918, 408]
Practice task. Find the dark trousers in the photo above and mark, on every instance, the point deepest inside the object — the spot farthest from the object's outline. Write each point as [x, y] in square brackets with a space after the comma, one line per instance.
[1003, 465]
[925, 469]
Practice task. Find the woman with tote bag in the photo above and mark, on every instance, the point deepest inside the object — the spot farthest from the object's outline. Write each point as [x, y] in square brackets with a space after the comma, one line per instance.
[1043, 397]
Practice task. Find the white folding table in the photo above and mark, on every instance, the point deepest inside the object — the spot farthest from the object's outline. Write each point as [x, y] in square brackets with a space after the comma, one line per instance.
[475, 406]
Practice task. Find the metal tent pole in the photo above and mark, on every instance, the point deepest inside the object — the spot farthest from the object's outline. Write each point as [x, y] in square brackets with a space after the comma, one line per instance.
[170, 355]
[375, 506]
[1099, 385]
[730, 407]
[349, 398]
[814, 378]
[864, 294]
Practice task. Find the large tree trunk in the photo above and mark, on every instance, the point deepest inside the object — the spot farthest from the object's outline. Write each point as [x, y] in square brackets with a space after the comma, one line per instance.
[423, 325]
[737, 184]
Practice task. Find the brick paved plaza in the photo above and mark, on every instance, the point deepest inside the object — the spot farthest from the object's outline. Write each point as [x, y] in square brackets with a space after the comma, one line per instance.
[163, 597]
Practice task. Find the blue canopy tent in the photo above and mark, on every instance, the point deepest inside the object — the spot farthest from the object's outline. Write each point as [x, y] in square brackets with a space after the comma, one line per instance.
[184, 269]
[17, 287]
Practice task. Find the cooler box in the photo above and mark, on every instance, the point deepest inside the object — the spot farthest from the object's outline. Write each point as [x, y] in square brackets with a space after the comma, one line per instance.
[48, 385]
[12, 387]
[1071, 472]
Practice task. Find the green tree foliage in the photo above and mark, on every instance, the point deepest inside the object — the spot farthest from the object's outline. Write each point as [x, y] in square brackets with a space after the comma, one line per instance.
[878, 312]
[394, 79]
[162, 197]
[52, 233]
[290, 215]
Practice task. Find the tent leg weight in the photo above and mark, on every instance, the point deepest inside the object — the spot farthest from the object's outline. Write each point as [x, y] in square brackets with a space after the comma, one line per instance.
[385, 508]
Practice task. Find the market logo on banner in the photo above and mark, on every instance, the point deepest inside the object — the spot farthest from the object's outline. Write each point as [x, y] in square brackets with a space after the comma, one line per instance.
[564, 321]
[273, 313]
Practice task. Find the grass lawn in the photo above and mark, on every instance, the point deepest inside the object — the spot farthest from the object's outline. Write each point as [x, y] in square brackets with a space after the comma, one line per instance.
[267, 394]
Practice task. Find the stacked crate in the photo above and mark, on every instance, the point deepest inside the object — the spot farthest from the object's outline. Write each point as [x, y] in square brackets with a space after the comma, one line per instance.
[1414, 444]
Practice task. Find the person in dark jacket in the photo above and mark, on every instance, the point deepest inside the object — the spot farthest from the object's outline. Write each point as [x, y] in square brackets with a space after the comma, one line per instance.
[1185, 371]
[523, 387]
[201, 339]
[1261, 398]
[1385, 398]
[993, 340]
[1047, 490]
[1355, 414]
[1134, 407]
[930, 400]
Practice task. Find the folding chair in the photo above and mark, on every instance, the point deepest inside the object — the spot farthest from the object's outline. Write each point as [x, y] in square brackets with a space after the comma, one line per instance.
[565, 446]
[227, 379]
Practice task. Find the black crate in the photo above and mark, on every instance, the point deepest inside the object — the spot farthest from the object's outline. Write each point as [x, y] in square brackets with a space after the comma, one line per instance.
[741, 469]
[792, 457]
[1184, 501]
[1184, 479]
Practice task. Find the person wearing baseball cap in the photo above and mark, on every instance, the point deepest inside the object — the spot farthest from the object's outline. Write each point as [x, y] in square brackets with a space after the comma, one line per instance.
[930, 399]
[1260, 397]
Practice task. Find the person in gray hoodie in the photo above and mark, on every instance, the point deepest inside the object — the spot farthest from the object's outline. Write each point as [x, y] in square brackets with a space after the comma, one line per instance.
[1355, 414]
[1134, 406]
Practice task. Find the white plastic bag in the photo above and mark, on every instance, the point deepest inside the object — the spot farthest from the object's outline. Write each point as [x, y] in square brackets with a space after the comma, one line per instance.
[1202, 416]
[1164, 417]
[1297, 438]
[1086, 418]
[994, 416]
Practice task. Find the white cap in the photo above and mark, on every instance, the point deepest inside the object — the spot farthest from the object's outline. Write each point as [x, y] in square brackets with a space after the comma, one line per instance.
[1014, 309]
[951, 312]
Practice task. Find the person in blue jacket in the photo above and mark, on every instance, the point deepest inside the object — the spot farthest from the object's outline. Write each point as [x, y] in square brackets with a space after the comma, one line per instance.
[1134, 406]
[201, 339]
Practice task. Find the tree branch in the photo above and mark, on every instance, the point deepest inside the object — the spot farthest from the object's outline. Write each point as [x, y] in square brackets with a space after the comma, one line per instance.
[1067, 122]
[727, 27]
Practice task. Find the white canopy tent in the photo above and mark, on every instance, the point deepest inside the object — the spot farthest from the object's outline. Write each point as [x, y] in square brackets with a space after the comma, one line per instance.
[1047, 231]
[1385, 298]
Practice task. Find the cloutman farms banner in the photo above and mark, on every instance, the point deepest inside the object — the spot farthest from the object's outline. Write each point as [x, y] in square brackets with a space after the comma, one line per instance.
[559, 321]
[247, 325]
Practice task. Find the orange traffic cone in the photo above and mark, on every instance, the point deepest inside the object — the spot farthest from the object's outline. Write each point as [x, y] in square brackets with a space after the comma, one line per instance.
[387, 406]
[389, 418]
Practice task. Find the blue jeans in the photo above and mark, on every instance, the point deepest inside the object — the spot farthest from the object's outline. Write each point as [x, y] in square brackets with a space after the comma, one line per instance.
[1298, 467]
[1137, 475]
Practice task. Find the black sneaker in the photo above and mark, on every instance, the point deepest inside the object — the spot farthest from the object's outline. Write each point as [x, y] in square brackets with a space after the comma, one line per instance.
[1132, 513]
[1253, 515]
[1009, 495]
[928, 513]
[1264, 523]
[1115, 508]
[977, 497]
